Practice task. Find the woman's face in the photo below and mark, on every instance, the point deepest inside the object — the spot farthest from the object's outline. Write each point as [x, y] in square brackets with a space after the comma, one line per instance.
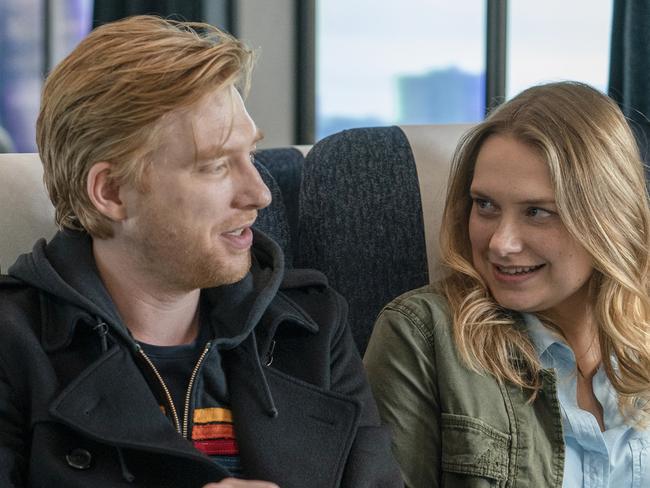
[520, 246]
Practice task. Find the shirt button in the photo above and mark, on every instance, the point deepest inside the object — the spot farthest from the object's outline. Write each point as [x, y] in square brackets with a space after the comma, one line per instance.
[79, 459]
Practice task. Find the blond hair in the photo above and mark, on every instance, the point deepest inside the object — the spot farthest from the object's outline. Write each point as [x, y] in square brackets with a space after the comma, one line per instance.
[103, 102]
[601, 195]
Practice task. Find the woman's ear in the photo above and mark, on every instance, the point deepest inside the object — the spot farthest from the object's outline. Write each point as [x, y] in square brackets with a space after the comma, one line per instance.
[104, 192]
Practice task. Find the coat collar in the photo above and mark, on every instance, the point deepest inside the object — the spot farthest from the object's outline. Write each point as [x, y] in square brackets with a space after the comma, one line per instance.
[282, 317]
[60, 321]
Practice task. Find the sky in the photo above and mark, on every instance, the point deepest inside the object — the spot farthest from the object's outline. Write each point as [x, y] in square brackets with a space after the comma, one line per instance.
[364, 45]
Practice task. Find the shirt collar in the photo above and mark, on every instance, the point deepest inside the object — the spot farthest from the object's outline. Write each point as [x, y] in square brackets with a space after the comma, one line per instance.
[549, 345]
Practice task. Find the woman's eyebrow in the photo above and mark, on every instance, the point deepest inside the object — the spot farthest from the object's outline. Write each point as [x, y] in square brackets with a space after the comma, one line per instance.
[527, 201]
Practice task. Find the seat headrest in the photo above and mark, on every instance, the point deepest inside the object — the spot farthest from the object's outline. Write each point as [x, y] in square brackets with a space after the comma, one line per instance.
[26, 213]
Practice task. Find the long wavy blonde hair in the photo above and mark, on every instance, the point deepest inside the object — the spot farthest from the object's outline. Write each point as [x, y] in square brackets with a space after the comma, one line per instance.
[601, 195]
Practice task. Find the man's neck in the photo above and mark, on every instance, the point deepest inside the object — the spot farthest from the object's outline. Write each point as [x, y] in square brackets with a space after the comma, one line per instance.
[153, 314]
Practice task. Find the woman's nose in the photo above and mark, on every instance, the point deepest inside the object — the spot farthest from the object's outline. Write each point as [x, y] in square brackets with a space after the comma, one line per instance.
[507, 239]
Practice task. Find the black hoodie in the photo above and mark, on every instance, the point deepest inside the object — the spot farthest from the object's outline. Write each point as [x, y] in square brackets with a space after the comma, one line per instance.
[77, 410]
[65, 269]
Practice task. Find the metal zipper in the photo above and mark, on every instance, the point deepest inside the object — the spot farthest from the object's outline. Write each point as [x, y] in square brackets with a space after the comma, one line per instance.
[188, 393]
[177, 423]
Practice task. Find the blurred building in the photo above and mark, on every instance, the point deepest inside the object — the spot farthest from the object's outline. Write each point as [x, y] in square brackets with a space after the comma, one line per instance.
[441, 97]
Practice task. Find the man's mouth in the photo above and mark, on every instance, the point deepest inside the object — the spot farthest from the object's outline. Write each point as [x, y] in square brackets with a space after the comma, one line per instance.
[517, 270]
[236, 232]
[240, 238]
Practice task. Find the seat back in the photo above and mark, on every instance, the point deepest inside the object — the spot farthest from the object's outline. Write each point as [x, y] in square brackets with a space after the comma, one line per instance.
[273, 219]
[26, 213]
[370, 208]
[285, 165]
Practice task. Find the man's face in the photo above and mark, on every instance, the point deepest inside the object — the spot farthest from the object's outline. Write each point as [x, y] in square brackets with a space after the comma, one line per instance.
[191, 227]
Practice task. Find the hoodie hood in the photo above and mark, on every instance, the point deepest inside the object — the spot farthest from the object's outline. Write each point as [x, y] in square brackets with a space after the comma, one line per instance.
[234, 310]
[65, 269]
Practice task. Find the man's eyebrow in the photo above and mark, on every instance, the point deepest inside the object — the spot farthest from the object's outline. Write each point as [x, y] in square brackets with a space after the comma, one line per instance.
[215, 151]
[212, 152]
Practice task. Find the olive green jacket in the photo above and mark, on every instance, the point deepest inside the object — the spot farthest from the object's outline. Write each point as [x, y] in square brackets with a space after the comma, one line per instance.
[453, 427]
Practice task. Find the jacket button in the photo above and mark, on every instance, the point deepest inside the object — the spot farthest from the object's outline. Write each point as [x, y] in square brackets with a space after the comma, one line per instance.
[79, 459]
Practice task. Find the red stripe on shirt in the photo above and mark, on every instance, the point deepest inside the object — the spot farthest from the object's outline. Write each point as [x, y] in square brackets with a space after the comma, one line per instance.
[218, 447]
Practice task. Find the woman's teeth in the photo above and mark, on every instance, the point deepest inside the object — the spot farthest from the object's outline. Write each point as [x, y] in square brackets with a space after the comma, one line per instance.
[513, 270]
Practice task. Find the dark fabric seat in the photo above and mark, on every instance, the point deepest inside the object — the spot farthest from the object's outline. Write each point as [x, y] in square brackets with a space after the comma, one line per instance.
[361, 220]
[285, 165]
[272, 220]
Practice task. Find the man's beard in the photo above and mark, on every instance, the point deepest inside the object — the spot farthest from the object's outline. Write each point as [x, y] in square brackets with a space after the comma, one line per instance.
[180, 262]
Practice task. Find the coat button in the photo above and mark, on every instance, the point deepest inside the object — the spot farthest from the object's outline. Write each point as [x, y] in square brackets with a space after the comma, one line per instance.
[79, 458]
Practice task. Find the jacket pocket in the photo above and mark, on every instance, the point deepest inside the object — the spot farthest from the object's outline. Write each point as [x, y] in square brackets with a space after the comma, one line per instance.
[472, 447]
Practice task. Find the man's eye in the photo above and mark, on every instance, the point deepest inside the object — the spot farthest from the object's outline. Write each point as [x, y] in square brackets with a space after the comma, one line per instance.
[213, 168]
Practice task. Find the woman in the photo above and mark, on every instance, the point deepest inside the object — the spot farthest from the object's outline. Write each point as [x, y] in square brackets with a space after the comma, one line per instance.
[529, 364]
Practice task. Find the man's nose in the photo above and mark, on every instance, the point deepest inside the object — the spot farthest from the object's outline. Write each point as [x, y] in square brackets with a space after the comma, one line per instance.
[252, 192]
[507, 238]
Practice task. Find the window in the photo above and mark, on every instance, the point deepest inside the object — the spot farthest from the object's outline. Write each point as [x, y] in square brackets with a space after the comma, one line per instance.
[423, 61]
[408, 62]
[558, 40]
[27, 55]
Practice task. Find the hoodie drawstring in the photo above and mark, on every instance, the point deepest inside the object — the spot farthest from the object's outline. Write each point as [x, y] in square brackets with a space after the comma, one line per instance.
[126, 474]
[102, 329]
[272, 411]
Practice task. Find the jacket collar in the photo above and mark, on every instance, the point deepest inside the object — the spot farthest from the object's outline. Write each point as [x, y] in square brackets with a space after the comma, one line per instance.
[285, 310]
[61, 319]
[282, 317]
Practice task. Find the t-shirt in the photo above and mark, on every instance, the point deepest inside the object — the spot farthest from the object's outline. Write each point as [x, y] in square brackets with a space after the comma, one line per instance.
[212, 427]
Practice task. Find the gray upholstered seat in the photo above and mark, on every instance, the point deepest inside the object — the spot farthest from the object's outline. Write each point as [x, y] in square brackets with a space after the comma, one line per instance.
[285, 165]
[272, 220]
[370, 207]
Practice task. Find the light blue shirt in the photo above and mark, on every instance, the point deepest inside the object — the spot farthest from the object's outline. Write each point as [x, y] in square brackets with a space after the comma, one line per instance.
[616, 458]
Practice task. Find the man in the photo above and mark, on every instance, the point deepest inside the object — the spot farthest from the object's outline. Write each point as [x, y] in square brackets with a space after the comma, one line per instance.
[157, 340]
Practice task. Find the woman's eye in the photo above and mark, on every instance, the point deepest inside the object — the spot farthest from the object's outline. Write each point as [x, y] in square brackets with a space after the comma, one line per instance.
[483, 205]
[538, 212]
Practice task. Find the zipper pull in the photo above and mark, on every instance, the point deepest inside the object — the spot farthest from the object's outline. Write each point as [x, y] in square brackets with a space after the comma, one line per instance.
[269, 355]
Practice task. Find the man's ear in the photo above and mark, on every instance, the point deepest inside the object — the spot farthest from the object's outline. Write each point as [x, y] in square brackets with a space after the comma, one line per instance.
[104, 192]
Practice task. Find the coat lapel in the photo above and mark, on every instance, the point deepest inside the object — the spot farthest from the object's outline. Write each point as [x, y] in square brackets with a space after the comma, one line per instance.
[314, 427]
[111, 401]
